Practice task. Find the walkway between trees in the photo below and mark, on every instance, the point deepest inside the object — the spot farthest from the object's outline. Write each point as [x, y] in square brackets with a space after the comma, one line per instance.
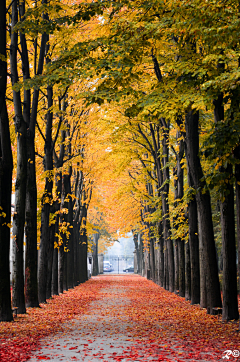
[119, 318]
[135, 320]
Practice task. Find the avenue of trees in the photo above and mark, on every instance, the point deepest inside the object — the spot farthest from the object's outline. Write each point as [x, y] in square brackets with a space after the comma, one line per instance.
[116, 117]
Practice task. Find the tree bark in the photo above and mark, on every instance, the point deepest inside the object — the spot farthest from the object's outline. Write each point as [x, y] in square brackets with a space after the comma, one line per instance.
[152, 259]
[181, 257]
[237, 187]
[230, 300]
[83, 246]
[194, 250]
[69, 219]
[161, 254]
[50, 255]
[165, 208]
[180, 244]
[166, 274]
[61, 256]
[6, 166]
[31, 258]
[55, 272]
[194, 243]
[58, 181]
[31, 255]
[142, 265]
[95, 254]
[204, 210]
[46, 203]
[187, 273]
[18, 297]
[176, 267]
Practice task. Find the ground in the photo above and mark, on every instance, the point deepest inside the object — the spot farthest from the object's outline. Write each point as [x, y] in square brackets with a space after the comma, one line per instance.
[118, 318]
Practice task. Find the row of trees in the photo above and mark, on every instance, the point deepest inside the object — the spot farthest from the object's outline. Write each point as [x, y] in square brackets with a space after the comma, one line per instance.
[53, 189]
[141, 115]
[171, 76]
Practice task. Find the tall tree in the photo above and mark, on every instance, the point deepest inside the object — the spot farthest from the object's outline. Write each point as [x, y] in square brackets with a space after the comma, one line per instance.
[6, 166]
[204, 211]
[20, 184]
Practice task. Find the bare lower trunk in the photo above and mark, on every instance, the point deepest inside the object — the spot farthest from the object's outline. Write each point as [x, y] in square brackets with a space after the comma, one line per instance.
[187, 272]
[194, 251]
[202, 264]
[65, 267]
[31, 256]
[60, 268]
[176, 260]
[204, 211]
[181, 256]
[95, 254]
[230, 300]
[165, 210]
[55, 272]
[18, 298]
[46, 204]
[5, 193]
[194, 245]
[166, 273]
[152, 260]
[237, 187]
[50, 257]
[69, 218]
[58, 181]
[141, 252]
[6, 166]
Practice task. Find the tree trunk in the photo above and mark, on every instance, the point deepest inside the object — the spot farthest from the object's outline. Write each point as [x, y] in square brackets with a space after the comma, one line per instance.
[165, 208]
[65, 265]
[83, 247]
[166, 273]
[18, 298]
[31, 255]
[142, 266]
[181, 256]
[50, 255]
[152, 259]
[135, 239]
[161, 254]
[55, 272]
[95, 254]
[194, 250]
[176, 259]
[187, 273]
[61, 256]
[237, 187]
[58, 180]
[46, 201]
[202, 267]
[194, 243]
[230, 300]
[6, 165]
[204, 210]
[69, 219]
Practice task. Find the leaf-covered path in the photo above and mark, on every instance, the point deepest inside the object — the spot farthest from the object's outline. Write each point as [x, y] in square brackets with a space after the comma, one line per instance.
[118, 318]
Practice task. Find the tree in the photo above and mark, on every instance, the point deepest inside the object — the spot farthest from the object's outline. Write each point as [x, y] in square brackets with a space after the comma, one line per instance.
[6, 166]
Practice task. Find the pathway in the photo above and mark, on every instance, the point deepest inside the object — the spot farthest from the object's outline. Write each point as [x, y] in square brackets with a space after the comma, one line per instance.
[113, 329]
